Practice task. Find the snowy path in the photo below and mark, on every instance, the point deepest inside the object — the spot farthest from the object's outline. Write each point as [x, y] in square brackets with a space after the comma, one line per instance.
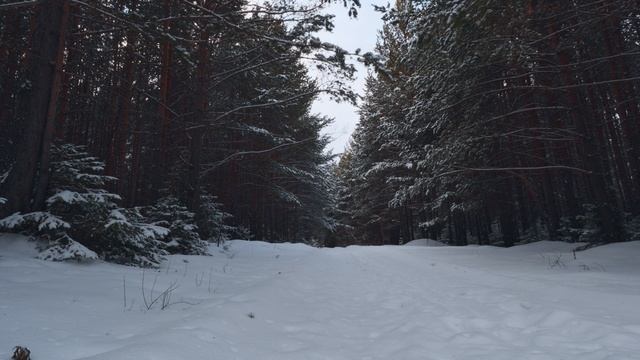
[264, 301]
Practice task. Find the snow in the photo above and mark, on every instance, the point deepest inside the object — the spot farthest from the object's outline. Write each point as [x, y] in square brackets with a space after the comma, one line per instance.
[286, 301]
[68, 250]
[12, 221]
[72, 197]
[154, 231]
[425, 242]
[45, 221]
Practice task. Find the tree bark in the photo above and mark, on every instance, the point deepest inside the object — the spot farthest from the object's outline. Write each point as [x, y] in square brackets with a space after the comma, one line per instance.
[116, 162]
[29, 174]
[166, 60]
[200, 112]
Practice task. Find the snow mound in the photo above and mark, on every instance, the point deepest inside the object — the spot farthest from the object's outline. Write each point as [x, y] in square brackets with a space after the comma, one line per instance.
[425, 242]
[67, 250]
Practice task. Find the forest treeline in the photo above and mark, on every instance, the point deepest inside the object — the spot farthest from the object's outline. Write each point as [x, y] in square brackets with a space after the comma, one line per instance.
[131, 129]
[149, 125]
[496, 122]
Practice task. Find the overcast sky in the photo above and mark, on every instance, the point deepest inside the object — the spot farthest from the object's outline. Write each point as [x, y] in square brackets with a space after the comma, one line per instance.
[350, 34]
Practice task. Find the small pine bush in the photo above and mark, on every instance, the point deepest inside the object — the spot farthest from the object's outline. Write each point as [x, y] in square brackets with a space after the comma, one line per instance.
[211, 220]
[182, 235]
[82, 220]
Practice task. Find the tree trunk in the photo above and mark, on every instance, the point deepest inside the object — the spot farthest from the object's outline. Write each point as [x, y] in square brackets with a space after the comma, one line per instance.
[9, 56]
[29, 175]
[199, 118]
[598, 188]
[72, 58]
[116, 162]
[166, 60]
[625, 101]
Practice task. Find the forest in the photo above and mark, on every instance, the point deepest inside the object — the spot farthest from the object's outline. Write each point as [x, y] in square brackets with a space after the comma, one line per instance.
[134, 129]
[498, 122]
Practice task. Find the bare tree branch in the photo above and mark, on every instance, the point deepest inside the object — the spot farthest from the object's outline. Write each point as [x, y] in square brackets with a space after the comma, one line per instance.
[252, 152]
[18, 4]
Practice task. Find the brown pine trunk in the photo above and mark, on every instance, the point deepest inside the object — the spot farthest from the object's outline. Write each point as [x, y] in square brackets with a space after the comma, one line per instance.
[590, 146]
[108, 132]
[116, 162]
[543, 202]
[9, 55]
[122, 132]
[161, 156]
[63, 108]
[50, 123]
[507, 211]
[626, 106]
[30, 173]
[134, 176]
[199, 117]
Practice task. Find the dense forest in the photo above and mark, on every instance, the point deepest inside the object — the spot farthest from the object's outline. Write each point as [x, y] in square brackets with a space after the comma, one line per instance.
[131, 129]
[497, 122]
[147, 126]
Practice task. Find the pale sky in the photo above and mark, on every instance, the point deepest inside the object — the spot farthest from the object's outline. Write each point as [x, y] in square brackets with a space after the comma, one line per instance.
[349, 34]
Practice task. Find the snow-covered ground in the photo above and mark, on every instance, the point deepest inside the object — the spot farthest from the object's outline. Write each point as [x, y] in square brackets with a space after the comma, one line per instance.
[263, 301]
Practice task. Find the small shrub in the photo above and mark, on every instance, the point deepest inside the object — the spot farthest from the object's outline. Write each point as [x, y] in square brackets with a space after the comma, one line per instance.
[554, 261]
[67, 249]
[182, 235]
[82, 220]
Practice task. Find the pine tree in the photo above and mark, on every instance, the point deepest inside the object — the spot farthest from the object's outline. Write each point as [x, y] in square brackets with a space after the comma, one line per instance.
[507, 122]
[181, 109]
